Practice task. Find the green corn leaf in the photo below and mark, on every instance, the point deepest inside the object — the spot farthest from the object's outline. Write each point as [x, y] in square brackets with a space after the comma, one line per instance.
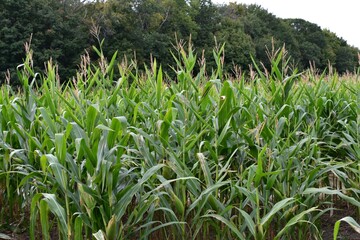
[163, 225]
[125, 200]
[75, 118]
[225, 104]
[56, 208]
[224, 131]
[110, 68]
[275, 209]
[43, 163]
[204, 195]
[259, 169]
[294, 220]
[228, 223]
[44, 219]
[249, 221]
[348, 220]
[97, 51]
[104, 128]
[328, 191]
[58, 170]
[91, 159]
[60, 148]
[33, 214]
[78, 228]
[115, 94]
[165, 126]
[280, 126]
[262, 76]
[289, 83]
[91, 118]
[159, 85]
[118, 126]
[94, 78]
[49, 122]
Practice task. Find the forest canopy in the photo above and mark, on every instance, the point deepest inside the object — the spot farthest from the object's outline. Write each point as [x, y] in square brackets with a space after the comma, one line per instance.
[61, 30]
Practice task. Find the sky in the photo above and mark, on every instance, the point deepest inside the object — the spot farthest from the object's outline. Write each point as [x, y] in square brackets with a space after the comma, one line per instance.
[340, 17]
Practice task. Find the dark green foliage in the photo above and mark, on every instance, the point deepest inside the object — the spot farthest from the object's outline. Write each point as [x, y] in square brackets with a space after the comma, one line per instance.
[56, 28]
[61, 30]
[345, 58]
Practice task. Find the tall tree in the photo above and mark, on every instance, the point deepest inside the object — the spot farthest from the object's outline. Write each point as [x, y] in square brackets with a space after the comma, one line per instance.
[239, 46]
[346, 59]
[55, 26]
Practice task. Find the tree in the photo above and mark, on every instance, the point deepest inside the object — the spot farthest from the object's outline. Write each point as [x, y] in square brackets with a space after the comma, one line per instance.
[311, 42]
[15, 30]
[239, 46]
[207, 19]
[56, 29]
[60, 30]
[346, 59]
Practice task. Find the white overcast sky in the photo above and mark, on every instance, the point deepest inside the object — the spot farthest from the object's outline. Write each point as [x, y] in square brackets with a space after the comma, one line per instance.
[341, 17]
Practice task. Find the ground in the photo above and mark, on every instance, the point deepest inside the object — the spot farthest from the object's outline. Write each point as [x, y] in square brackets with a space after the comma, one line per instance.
[327, 222]
[346, 231]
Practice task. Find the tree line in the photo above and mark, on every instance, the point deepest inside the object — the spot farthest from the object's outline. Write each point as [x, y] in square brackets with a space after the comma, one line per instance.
[64, 29]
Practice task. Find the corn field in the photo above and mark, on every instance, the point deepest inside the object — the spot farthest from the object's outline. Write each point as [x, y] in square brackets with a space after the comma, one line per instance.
[118, 153]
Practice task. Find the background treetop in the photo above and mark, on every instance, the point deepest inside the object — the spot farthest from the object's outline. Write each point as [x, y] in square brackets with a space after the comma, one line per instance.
[61, 30]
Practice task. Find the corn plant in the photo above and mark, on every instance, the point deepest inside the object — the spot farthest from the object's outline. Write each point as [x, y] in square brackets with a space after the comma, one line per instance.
[118, 153]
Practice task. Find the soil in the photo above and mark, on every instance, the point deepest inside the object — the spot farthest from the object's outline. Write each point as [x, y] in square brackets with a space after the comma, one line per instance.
[346, 232]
